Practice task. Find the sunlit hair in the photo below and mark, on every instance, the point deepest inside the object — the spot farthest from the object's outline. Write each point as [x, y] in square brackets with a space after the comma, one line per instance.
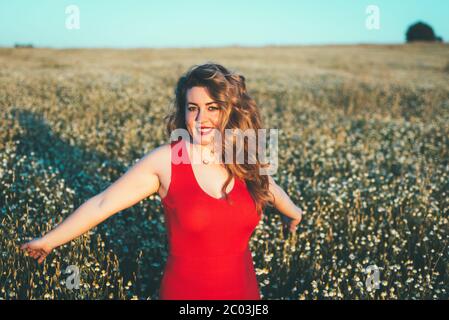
[238, 111]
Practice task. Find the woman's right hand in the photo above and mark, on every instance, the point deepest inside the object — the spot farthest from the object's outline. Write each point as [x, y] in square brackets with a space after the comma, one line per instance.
[37, 248]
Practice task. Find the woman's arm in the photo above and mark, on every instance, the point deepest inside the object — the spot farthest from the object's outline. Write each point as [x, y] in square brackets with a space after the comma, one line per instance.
[285, 205]
[139, 182]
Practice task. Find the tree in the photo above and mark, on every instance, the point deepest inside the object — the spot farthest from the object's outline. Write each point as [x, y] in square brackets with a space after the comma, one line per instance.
[421, 31]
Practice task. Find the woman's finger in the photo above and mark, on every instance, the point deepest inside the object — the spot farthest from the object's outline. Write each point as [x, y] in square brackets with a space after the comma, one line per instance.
[40, 256]
[41, 259]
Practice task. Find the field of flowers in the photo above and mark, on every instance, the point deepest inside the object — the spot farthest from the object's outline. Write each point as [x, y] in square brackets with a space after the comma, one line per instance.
[364, 150]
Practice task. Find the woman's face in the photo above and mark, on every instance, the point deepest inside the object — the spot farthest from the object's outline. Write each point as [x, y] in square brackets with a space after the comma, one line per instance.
[202, 114]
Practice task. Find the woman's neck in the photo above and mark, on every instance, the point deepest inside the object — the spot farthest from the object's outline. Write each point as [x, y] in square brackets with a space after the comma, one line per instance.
[204, 152]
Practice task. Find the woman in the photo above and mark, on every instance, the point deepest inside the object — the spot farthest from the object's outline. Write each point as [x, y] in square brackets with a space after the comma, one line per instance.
[211, 206]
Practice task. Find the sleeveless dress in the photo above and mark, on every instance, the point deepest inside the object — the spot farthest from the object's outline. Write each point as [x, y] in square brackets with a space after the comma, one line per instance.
[209, 255]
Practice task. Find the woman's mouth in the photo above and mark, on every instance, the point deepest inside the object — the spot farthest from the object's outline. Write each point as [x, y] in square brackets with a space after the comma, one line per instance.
[205, 130]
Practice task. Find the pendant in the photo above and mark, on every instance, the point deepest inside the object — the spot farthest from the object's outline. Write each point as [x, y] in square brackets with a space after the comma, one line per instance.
[205, 161]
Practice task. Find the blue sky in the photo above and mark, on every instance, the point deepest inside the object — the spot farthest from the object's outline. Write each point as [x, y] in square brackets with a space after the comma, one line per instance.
[196, 23]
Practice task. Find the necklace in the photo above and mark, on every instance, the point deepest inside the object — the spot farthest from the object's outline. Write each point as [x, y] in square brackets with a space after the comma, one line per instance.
[205, 161]
[212, 152]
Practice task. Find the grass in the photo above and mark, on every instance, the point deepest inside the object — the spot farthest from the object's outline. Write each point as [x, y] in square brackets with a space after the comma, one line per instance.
[364, 151]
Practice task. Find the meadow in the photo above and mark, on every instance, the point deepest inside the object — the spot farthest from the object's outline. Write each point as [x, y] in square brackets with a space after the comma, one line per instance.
[364, 150]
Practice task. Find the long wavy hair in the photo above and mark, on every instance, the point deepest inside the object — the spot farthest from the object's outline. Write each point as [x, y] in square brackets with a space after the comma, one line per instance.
[238, 111]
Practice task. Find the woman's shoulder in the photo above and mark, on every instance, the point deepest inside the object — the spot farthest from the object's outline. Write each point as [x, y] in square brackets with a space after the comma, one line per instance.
[158, 158]
[159, 151]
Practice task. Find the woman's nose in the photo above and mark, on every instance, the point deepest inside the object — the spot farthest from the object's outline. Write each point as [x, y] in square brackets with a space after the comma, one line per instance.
[199, 116]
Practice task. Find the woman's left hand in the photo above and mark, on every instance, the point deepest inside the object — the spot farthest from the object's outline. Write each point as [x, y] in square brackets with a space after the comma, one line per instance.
[293, 223]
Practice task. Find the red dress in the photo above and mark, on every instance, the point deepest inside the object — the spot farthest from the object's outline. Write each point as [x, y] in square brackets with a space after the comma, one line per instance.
[209, 256]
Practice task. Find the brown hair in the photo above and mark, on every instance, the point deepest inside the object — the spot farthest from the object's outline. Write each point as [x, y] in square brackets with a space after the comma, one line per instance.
[238, 111]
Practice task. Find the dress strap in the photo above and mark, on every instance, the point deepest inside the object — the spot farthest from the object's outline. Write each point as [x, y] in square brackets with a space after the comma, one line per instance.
[180, 179]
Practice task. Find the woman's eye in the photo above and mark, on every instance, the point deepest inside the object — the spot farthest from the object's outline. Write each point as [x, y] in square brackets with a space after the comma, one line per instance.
[211, 108]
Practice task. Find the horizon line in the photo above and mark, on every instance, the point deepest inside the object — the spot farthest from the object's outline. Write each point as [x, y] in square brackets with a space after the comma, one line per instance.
[344, 44]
